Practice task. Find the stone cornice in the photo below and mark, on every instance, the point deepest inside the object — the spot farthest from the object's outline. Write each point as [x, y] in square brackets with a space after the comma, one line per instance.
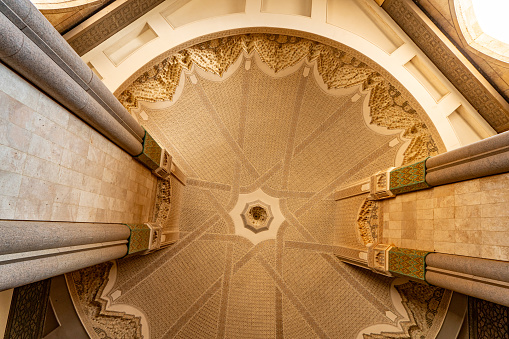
[108, 22]
[485, 102]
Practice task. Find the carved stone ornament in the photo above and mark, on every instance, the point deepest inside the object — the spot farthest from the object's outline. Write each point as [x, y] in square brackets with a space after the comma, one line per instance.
[156, 233]
[378, 258]
[257, 216]
[380, 185]
[164, 169]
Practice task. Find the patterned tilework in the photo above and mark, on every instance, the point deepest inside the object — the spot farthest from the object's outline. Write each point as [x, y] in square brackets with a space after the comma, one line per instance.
[408, 262]
[487, 320]
[28, 310]
[409, 178]
[140, 238]
[151, 155]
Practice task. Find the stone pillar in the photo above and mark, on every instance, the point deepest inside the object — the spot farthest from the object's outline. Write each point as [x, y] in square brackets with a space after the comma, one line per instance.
[480, 278]
[486, 157]
[32, 47]
[20, 53]
[35, 26]
[483, 158]
[37, 250]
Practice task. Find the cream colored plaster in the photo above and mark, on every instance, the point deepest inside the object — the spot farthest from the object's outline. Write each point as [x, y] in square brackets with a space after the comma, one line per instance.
[240, 228]
[473, 34]
[355, 36]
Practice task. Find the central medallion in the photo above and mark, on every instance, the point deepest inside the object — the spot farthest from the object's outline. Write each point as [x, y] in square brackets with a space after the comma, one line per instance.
[257, 216]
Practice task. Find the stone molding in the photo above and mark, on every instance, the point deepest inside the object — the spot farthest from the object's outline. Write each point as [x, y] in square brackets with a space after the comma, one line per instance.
[378, 258]
[257, 216]
[155, 157]
[114, 18]
[380, 185]
[448, 63]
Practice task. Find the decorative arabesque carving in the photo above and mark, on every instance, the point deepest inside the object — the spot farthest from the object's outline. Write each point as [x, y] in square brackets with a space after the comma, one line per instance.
[162, 205]
[487, 320]
[338, 69]
[368, 222]
[88, 285]
[423, 303]
[28, 310]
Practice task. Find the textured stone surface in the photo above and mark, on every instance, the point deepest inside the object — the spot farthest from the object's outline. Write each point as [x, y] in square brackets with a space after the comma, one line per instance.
[464, 218]
[491, 269]
[23, 236]
[53, 263]
[483, 158]
[34, 64]
[55, 167]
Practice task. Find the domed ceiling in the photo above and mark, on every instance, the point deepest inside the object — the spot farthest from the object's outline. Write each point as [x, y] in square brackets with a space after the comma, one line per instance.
[270, 126]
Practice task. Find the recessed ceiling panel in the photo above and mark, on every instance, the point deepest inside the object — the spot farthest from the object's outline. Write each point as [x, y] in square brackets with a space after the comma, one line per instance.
[293, 7]
[359, 17]
[182, 12]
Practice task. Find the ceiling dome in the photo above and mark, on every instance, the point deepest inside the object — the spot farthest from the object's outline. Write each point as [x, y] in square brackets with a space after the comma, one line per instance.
[283, 120]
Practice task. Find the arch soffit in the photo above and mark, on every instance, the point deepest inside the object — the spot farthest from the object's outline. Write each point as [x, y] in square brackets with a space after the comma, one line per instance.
[392, 65]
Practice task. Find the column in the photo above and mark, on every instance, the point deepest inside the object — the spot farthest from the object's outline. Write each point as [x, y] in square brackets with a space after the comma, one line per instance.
[37, 250]
[32, 47]
[480, 278]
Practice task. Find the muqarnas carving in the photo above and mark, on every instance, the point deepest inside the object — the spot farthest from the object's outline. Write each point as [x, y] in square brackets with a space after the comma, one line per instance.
[257, 216]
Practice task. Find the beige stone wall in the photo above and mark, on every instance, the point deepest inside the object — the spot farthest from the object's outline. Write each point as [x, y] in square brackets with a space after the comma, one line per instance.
[55, 167]
[466, 218]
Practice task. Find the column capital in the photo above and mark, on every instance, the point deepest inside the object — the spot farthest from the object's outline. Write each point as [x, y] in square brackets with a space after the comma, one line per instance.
[144, 238]
[155, 157]
[408, 262]
[409, 178]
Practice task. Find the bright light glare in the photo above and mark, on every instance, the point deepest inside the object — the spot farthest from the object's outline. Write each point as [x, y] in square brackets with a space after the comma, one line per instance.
[492, 17]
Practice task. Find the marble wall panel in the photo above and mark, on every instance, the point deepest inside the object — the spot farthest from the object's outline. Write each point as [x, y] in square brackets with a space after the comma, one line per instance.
[55, 167]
